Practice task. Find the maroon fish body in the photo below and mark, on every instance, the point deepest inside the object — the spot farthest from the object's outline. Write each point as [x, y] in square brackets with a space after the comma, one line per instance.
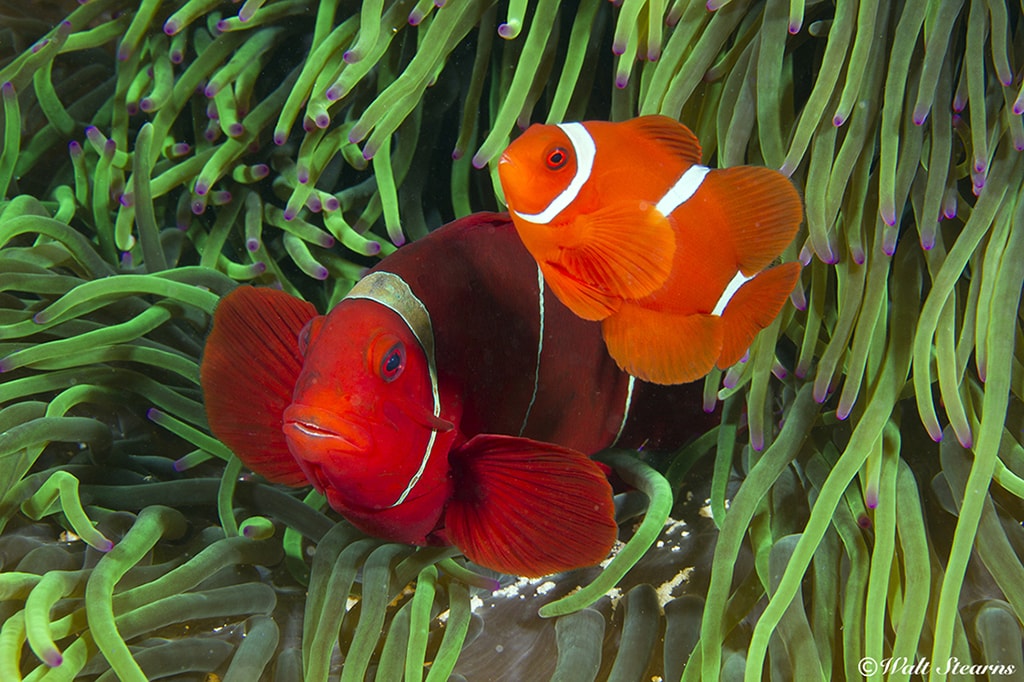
[449, 398]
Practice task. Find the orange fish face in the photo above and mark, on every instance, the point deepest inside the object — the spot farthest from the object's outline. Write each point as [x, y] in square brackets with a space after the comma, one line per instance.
[537, 168]
[362, 422]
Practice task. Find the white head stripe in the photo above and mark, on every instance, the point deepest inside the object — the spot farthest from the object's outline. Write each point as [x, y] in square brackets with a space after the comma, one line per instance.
[738, 280]
[686, 186]
[585, 150]
[392, 292]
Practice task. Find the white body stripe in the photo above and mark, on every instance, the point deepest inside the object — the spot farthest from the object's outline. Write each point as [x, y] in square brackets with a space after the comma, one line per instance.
[392, 292]
[584, 150]
[540, 348]
[686, 186]
[738, 280]
[625, 410]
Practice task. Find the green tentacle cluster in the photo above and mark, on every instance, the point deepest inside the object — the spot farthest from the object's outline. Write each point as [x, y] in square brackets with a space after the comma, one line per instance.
[154, 154]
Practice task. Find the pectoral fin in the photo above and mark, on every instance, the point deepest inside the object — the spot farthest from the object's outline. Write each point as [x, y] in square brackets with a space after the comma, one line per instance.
[251, 362]
[529, 508]
[624, 249]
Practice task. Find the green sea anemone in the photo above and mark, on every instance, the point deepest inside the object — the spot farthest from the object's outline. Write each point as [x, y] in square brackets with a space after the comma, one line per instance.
[865, 488]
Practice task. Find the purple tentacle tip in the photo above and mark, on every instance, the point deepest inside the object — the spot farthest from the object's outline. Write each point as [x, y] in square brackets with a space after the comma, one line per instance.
[41, 317]
[53, 658]
[259, 267]
[334, 93]
[171, 27]
[280, 137]
[290, 213]
[322, 120]
[202, 187]
[105, 546]
[332, 204]
[794, 27]
[180, 465]
[369, 151]
[863, 521]
[236, 129]
[506, 31]
[415, 18]
[8, 89]
[252, 244]
[966, 441]
[126, 260]
[198, 207]
[479, 161]
[618, 48]
[152, 414]
[871, 499]
[351, 56]
[838, 120]
[1018, 109]
[858, 255]
[621, 80]
[4, 365]
[320, 273]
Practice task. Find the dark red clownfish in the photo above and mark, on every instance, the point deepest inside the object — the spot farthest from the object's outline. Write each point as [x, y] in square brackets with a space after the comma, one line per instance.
[449, 398]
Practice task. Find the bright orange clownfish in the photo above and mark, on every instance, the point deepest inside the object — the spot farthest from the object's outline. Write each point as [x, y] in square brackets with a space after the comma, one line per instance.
[673, 257]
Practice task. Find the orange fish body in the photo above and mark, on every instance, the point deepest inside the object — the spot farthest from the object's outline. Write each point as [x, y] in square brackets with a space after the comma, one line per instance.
[673, 257]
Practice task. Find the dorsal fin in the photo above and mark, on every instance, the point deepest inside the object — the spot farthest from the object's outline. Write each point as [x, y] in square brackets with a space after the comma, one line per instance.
[668, 133]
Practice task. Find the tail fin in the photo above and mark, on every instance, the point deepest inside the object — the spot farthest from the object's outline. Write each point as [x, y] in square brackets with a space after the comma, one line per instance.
[753, 308]
[250, 365]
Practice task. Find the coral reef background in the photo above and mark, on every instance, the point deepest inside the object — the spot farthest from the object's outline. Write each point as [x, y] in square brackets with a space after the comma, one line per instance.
[863, 492]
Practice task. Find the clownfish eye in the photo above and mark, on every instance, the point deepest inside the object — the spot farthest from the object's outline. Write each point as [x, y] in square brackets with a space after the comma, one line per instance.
[387, 357]
[557, 158]
[393, 363]
[308, 333]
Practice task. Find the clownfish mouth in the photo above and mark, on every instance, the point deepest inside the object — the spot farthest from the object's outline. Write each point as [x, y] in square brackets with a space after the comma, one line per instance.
[315, 434]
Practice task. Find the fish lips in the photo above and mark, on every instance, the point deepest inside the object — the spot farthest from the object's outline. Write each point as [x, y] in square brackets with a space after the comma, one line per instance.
[320, 434]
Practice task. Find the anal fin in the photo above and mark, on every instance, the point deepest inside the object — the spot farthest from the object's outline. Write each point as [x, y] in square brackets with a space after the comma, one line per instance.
[661, 347]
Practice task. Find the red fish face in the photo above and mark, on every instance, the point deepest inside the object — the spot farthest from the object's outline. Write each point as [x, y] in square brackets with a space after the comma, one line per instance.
[362, 422]
[536, 168]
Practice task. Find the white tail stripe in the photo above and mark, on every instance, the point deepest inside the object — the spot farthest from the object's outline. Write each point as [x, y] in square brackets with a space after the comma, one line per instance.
[585, 150]
[738, 280]
[686, 186]
[625, 410]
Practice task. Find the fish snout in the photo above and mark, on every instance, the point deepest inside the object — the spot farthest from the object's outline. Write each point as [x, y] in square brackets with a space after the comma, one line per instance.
[318, 435]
